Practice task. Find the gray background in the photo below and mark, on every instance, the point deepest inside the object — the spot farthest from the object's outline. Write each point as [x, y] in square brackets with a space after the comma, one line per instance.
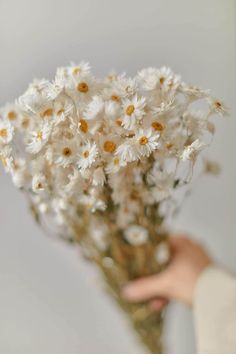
[50, 301]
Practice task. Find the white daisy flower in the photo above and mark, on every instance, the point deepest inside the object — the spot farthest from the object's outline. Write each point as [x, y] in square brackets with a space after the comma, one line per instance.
[165, 107]
[191, 151]
[25, 123]
[81, 69]
[127, 152]
[35, 97]
[124, 86]
[162, 253]
[6, 132]
[76, 183]
[64, 153]
[111, 93]
[163, 184]
[6, 157]
[81, 89]
[133, 111]
[99, 177]
[112, 109]
[92, 203]
[196, 123]
[19, 172]
[63, 109]
[167, 79]
[10, 112]
[193, 92]
[217, 106]
[39, 183]
[43, 208]
[94, 108]
[39, 138]
[146, 141]
[100, 235]
[147, 78]
[136, 235]
[152, 79]
[114, 165]
[87, 156]
[108, 144]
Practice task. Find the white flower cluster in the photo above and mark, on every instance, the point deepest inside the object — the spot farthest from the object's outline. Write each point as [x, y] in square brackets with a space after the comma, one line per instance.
[80, 143]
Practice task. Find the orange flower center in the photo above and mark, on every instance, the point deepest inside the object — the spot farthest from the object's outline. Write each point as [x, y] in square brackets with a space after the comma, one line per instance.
[60, 111]
[169, 146]
[157, 126]
[115, 98]
[82, 87]
[130, 110]
[86, 154]
[143, 140]
[109, 146]
[67, 152]
[11, 115]
[83, 126]
[47, 113]
[3, 133]
[119, 122]
[25, 123]
[162, 79]
[218, 104]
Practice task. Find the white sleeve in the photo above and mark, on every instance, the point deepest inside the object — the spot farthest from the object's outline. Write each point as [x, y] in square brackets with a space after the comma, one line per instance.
[214, 307]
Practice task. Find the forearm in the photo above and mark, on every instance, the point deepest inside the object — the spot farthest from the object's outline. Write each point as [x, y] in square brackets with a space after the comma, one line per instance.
[214, 306]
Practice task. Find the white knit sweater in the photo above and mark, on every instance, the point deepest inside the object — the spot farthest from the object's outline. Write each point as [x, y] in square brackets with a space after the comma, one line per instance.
[214, 309]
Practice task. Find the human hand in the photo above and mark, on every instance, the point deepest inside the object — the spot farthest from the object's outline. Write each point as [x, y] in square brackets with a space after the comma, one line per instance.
[177, 281]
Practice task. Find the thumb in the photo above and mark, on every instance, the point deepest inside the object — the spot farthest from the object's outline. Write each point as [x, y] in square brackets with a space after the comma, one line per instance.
[146, 288]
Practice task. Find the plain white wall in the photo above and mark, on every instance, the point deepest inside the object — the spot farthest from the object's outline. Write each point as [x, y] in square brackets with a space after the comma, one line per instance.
[50, 301]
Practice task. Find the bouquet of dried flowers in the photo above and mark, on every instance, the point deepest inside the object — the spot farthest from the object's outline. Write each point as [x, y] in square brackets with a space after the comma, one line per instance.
[104, 160]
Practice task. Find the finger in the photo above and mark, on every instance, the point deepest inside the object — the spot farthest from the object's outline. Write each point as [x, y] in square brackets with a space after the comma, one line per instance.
[158, 304]
[146, 288]
[177, 241]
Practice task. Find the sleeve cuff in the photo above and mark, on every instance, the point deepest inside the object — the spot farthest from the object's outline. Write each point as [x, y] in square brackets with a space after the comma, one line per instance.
[214, 307]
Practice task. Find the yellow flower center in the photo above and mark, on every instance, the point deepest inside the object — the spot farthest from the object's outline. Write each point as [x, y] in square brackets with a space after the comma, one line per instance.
[40, 135]
[157, 126]
[82, 87]
[47, 113]
[116, 161]
[86, 154]
[109, 146]
[11, 115]
[130, 110]
[83, 126]
[119, 122]
[3, 133]
[143, 140]
[111, 77]
[162, 79]
[25, 123]
[115, 98]
[169, 145]
[218, 104]
[76, 70]
[67, 151]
